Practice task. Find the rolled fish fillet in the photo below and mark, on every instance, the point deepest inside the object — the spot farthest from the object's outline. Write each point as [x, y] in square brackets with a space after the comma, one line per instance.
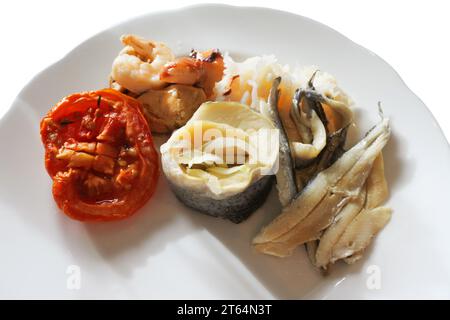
[222, 161]
[250, 82]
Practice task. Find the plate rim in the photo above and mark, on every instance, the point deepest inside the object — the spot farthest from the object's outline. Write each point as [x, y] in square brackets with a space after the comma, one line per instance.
[219, 6]
[354, 45]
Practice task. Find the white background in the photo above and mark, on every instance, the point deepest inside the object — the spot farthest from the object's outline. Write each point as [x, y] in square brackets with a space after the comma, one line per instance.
[412, 36]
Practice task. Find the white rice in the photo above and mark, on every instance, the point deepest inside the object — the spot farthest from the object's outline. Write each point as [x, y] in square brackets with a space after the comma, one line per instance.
[257, 73]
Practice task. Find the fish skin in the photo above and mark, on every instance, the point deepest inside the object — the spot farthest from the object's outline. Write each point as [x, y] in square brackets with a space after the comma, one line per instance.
[306, 104]
[311, 123]
[236, 208]
[296, 116]
[333, 150]
[341, 108]
[285, 175]
[338, 178]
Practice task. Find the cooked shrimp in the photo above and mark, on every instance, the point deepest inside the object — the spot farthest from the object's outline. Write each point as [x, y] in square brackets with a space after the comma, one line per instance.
[138, 65]
[200, 69]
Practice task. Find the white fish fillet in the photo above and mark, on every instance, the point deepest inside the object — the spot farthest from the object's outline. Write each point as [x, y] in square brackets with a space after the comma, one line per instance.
[286, 186]
[314, 210]
[332, 234]
[360, 232]
[377, 193]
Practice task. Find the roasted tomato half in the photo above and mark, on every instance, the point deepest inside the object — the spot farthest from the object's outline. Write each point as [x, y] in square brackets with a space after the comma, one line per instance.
[99, 152]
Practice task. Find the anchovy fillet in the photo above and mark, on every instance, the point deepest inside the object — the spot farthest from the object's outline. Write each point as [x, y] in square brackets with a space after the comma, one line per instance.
[315, 208]
[331, 235]
[359, 233]
[285, 175]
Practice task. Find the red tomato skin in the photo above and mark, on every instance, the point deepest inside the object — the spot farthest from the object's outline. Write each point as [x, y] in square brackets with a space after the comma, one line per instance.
[65, 193]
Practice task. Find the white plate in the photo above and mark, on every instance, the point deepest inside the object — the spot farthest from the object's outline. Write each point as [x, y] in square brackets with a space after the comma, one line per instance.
[168, 251]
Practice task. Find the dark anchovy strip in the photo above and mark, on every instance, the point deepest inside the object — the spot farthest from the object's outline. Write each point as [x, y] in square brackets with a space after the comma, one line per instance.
[286, 185]
[310, 98]
[303, 102]
[332, 151]
[297, 112]
[236, 208]
[315, 105]
[296, 115]
[311, 80]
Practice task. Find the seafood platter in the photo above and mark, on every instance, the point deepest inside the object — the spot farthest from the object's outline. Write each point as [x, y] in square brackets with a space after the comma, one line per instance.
[178, 155]
[234, 130]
